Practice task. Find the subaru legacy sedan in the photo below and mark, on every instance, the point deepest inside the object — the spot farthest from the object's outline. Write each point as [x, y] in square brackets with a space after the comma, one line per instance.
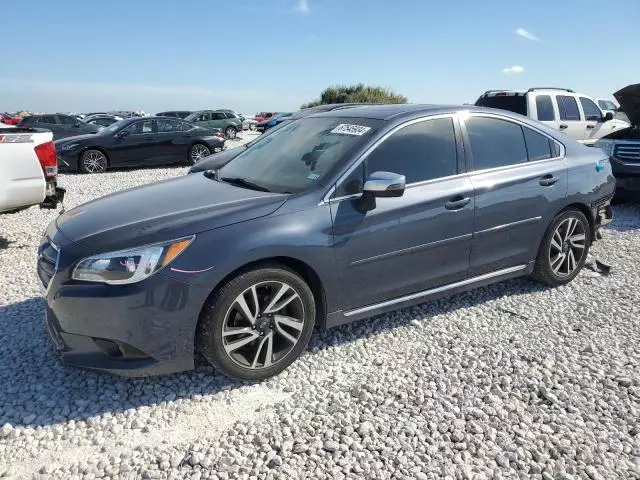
[333, 218]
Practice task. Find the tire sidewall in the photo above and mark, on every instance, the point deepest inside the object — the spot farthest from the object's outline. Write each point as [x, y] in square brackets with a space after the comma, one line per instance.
[84, 154]
[190, 160]
[210, 342]
[230, 132]
[546, 245]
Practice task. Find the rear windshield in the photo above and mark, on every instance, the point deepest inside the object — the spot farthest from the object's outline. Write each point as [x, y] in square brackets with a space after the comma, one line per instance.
[513, 103]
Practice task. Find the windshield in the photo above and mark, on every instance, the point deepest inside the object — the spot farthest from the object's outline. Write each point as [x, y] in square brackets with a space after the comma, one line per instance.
[114, 127]
[301, 154]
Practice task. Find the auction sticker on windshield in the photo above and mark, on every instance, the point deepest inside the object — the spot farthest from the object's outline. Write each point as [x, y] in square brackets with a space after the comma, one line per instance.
[348, 129]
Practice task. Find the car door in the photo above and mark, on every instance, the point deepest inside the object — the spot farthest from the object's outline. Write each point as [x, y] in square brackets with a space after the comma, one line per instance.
[134, 145]
[218, 120]
[596, 126]
[414, 242]
[172, 142]
[520, 181]
[572, 122]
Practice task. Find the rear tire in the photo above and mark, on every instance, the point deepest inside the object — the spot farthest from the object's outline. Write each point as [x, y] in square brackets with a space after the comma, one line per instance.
[564, 249]
[197, 152]
[93, 161]
[257, 324]
[252, 127]
[230, 133]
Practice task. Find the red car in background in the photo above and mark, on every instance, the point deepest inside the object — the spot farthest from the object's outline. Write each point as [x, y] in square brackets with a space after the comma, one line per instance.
[262, 116]
[8, 119]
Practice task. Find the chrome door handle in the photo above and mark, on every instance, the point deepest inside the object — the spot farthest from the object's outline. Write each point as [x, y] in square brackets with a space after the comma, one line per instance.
[548, 180]
[456, 203]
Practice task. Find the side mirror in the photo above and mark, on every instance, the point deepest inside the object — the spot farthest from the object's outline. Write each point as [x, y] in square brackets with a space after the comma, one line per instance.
[608, 116]
[77, 125]
[383, 185]
[122, 133]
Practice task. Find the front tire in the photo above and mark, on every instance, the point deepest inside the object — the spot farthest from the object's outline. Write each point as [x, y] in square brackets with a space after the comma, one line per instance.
[93, 161]
[564, 249]
[257, 323]
[252, 127]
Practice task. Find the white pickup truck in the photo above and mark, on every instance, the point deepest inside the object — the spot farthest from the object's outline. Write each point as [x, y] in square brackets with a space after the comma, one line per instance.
[28, 170]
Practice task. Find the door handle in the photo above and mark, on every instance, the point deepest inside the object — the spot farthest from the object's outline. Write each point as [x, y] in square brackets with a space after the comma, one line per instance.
[563, 126]
[591, 126]
[548, 180]
[456, 203]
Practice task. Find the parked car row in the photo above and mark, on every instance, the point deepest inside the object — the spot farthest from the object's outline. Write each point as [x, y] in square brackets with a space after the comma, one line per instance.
[134, 142]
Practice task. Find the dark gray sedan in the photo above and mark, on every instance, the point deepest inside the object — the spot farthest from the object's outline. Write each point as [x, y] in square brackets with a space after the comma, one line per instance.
[333, 218]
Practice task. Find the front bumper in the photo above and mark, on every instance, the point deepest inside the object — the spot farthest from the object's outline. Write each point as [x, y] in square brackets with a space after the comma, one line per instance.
[147, 328]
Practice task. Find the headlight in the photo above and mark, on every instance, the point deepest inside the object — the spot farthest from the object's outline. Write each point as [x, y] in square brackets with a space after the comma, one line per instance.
[606, 147]
[129, 266]
[69, 146]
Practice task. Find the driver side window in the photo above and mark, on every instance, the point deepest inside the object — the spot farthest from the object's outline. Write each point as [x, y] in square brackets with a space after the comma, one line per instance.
[421, 151]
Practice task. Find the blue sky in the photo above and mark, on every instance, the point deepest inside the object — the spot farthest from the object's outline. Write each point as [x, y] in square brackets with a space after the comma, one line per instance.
[251, 55]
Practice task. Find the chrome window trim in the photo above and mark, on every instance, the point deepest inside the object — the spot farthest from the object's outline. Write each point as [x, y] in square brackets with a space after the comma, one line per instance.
[474, 173]
[327, 197]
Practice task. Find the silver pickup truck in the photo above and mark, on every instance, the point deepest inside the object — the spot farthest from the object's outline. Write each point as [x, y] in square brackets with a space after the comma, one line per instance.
[28, 170]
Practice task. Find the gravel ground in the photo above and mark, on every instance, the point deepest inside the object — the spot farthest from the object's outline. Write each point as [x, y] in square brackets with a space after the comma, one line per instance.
[510, 381]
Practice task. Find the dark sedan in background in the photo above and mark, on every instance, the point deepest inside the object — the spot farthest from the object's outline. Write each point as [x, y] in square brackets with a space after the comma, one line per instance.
[135, 142]
[61, 126]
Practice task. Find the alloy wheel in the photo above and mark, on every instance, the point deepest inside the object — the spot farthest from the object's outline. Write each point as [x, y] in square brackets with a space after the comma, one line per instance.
[198, 152]
[263, 324]
[94, 162]
[567, 247]
[231, 132]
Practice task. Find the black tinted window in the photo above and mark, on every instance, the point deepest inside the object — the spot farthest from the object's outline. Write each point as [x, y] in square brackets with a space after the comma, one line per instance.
[28, 120]
[422, 151]
[568, 108]
[167, 126]
[47, 119]
[538, 146]
[513, 103]
[352, 184]
[544, 107]
[140, 127]
[217, 116]
[495, 142]
[67, 120]
[590, 109]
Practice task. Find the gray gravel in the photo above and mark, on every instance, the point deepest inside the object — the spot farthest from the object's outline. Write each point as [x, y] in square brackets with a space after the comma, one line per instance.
[509, 381]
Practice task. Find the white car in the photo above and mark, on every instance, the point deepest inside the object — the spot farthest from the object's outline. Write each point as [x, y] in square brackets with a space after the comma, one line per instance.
[28, 169]
[575, 114]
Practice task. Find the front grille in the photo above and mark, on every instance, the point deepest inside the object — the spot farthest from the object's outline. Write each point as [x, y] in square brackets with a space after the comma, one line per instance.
[47, 262]
[627, 152]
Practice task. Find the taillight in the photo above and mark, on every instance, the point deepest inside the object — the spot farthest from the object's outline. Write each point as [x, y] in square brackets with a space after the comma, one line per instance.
[46, 153]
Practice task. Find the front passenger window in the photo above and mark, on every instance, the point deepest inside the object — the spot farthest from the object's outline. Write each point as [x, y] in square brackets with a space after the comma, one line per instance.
[421, 151]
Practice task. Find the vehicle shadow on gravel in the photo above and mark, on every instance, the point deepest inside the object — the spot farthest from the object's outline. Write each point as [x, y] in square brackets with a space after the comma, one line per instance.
[36, 389]
[4, 243]
[626, 217]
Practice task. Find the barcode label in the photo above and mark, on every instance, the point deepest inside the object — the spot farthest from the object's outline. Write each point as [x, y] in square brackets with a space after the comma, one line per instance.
[347, 129]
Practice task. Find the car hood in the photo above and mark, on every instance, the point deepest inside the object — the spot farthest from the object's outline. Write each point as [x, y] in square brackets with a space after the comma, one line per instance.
[629, 100]
[163, 211]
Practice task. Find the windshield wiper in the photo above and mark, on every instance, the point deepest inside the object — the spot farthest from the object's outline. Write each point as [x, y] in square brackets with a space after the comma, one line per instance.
[241, 182]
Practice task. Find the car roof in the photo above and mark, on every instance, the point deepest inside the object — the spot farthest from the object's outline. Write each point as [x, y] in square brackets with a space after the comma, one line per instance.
[386, 112]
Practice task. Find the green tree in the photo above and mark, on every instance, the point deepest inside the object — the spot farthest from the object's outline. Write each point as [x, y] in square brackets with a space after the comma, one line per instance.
[359, 93]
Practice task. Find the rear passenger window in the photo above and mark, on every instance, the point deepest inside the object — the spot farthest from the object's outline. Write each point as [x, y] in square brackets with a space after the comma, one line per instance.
[538, 146]
[544, 107]
[568, 108]
[495, 142]
[421, 151]
[48, 119]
